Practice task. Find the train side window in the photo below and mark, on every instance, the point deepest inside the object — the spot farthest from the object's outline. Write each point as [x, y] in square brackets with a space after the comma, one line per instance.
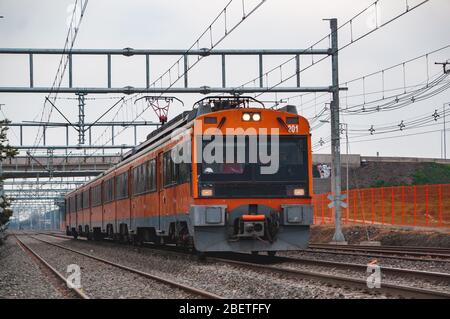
[136, 180]
[108, 190]
[183, 170]
[151, 175]
[144, 177]
[79, 204]
[86, 199]
[169, 169]
[96, 194]
[176, 173]
[122, 186]
[72, 204]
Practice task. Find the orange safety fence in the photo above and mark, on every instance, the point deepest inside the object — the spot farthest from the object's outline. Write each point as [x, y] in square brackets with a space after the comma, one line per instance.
[421, 205]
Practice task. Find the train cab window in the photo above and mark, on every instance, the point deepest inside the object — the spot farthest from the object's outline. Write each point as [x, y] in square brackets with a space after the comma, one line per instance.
[108, 190]
[245, 178]
[79, 203]
[86, 199]
[96, 193]
[122, 186]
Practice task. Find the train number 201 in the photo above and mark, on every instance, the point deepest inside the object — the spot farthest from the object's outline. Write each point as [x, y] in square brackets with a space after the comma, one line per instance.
[293, 128]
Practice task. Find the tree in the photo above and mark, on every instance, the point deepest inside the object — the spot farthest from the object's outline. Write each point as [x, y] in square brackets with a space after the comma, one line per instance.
[6, 151]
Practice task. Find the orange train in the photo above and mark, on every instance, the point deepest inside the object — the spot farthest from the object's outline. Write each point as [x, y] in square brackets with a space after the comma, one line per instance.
[229, 175]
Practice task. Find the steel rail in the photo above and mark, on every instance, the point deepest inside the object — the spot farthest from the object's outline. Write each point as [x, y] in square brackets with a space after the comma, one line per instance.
[386, 270]
[172, 283]
[379, 249]
[79, 293]
[400, 248]
[368, 254]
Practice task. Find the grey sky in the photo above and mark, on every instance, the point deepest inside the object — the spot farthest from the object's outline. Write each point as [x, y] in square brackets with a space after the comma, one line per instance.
[176, 24]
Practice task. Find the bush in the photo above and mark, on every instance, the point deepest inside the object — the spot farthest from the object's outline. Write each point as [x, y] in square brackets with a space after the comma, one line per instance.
[432, 173]
[383, 183]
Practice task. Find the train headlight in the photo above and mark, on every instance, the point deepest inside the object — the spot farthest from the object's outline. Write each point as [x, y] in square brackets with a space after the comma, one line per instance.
[206, 192]
[299, 192]
[256, 117]
[246, 117]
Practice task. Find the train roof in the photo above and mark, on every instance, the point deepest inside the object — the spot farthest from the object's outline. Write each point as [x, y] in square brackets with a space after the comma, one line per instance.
[164, 130]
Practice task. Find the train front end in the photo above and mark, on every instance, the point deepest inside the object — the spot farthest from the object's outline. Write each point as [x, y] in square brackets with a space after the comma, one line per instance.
[252, 180]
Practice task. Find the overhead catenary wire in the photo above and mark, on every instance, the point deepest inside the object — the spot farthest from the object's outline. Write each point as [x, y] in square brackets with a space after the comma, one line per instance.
[71, 36]
[353, 40]
[319, 145]
[385, 138]
[372, 74]
[228, 30]
[72, 33]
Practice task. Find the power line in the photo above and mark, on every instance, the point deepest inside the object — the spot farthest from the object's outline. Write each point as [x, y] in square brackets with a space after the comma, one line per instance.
[72, 33]
[71, 36]
[322, 142]
[379, 72]
[353, 40]
[212, 44]
[227, 31]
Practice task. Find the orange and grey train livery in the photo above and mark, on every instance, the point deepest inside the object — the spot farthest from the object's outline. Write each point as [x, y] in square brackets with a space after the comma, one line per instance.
[229, 175]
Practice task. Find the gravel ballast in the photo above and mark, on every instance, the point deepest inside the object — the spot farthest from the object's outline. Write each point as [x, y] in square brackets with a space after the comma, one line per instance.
[100, 280]
[223, 279]
[20, 276]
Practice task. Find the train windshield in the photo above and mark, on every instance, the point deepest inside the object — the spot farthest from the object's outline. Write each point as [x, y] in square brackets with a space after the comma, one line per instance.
[251, 166]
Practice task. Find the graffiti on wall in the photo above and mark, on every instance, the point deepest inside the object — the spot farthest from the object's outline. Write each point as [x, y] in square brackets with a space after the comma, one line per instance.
[322, 171]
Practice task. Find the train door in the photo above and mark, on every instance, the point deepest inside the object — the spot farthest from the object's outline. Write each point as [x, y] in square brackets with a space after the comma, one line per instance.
[91, 208]
[67, 213]
[133, 199]
[89, 221]
[129, 191]
[161, 190]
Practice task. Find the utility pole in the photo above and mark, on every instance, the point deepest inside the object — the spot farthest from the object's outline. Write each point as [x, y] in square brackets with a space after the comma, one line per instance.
[338, 236]
[81, 105]
[345, 127]
[445, 132]
[1, 170]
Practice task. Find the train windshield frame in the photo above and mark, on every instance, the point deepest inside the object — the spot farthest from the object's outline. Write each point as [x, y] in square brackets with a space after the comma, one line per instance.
[239, 178]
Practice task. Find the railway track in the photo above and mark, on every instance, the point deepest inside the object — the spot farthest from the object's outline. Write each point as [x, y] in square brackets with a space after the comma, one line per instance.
[191, 290]
[77, 292]
[428, 275]
[275, 264]
[413, 253]
[380, 253]
[430, 249]
[386, 288]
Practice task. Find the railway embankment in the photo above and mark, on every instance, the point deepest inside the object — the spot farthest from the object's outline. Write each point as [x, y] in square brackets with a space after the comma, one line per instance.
[387, 235]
